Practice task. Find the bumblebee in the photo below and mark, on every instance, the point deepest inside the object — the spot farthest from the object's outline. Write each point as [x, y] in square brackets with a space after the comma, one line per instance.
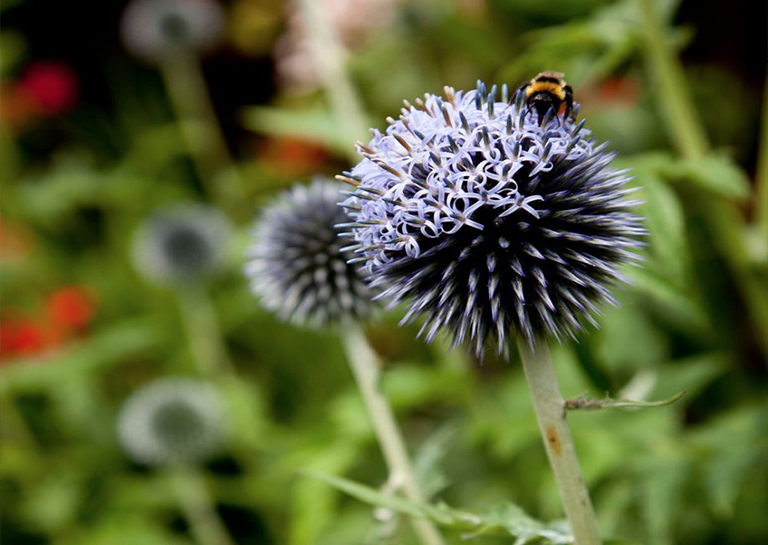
[549, 90]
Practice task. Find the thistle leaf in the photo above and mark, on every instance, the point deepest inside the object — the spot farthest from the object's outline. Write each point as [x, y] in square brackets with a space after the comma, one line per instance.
[508, 520]
[582, 403]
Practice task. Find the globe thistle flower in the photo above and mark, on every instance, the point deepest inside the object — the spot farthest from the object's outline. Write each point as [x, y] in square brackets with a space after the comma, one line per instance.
[185, 244]
[171, 420]
[297, 264]
[486, 219]
[157, 29]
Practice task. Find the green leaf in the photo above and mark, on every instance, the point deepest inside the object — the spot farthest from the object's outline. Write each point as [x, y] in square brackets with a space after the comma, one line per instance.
[54, 503]
[691, 374]
[666, 225]
[314, 124]
[429, 460]
[312, 505]
[121, 527]
[678, 305]
[629, 338]
[13, 46]
[725, 461]
[661, 490]
[715, 172]
[508, 520]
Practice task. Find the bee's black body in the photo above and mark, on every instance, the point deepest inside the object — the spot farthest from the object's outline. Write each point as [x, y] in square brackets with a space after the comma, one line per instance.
[548, 90]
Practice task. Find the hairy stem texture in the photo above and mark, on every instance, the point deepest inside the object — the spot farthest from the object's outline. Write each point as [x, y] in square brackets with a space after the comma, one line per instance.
[550, 414]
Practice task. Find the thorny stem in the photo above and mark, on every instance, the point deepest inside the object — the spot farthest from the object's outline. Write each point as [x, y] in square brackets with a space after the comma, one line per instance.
[365, 367]
[200, 127]
[206, 341]
[329, 60]
[197, 506]
[689, 137]
[550, 414]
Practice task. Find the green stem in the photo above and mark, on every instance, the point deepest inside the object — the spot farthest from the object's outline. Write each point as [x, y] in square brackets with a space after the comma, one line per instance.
[550, 414]
[724, 218]
[761, 203]
[198, 508]
[200, 128]
[726, 223]
[365, 367]
[330, 60]
[205, 338]
[673, 94]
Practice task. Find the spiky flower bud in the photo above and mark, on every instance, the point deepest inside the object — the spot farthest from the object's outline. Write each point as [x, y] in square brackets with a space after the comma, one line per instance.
[157, 29]
[181, 245]
[487, 220]
[171, 420]
[297, 264]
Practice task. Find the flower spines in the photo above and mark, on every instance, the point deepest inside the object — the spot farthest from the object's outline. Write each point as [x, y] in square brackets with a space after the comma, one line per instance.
[298, 263]
[486, 219]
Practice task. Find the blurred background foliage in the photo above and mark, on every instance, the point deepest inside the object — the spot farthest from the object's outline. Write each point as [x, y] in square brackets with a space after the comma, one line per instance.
[93, 141]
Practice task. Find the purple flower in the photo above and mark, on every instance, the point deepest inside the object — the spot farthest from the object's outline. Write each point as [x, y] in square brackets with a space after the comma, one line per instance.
[486, 220]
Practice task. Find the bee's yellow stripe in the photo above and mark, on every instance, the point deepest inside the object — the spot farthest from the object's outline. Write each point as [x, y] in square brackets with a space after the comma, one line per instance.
[546, 87]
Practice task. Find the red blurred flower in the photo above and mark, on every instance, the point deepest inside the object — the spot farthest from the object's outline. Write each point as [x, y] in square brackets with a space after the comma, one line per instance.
[68, 311]
[51, 86]
[291, 156]
[23, 337]
[619, 92]
[71, 308]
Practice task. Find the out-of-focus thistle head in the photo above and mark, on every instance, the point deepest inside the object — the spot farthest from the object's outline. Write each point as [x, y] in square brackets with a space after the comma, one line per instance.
[170, 421]
[297, 264]
[488, 220]
[181, 245]
[158, 29]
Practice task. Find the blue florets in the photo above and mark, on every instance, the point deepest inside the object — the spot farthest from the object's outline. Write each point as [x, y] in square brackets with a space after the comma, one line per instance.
[486, 219]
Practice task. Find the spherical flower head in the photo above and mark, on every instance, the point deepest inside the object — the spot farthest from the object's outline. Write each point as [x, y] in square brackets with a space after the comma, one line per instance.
[487, 220]
[298, 265]
[181, 245]
[171, 421]
[157, 29]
